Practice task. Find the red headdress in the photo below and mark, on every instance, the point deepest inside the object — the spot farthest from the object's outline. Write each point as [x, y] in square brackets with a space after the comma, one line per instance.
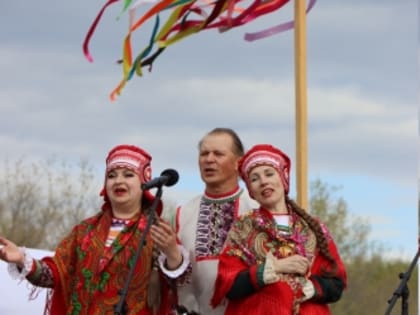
[134, 158]
[266, 154]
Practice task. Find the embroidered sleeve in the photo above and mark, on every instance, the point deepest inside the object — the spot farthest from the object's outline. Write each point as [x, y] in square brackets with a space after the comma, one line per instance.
[37, 272]
[183, 273]
[41, 275]
[185, 278]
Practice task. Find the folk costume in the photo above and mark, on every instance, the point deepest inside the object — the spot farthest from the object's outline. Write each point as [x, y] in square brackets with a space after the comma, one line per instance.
[92, 263]
[202, 226]
[246, 273]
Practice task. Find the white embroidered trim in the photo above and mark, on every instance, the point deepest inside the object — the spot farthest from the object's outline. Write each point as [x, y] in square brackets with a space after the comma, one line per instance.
[308, 290]
[13, 269]
[181, 269]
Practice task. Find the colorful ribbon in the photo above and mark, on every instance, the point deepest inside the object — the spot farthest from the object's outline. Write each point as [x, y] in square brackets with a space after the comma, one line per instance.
[275, 29]
[187, 17]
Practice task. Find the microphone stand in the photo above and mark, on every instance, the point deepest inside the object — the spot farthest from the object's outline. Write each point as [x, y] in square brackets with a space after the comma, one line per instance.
[121, 307]
[402, 290]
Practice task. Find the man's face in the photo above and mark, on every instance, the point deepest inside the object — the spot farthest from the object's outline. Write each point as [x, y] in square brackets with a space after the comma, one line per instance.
[217, 161]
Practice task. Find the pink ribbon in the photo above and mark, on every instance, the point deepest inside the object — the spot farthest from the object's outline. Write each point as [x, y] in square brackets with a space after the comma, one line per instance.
[275, 29]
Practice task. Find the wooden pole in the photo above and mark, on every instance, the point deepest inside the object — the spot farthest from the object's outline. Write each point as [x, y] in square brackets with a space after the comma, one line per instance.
[301, 104]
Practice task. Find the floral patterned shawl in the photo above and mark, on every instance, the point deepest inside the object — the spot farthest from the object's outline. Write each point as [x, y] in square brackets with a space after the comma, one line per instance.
[250, 239]
[88, 275]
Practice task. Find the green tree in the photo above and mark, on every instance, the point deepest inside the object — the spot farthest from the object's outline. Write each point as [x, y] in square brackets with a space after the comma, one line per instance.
[372, 278]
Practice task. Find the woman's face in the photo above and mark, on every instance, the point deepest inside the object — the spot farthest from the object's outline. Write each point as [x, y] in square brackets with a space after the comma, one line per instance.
[266, 186]
[123, 187]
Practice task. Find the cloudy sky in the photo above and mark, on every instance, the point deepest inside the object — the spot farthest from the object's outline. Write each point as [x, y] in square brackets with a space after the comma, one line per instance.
[362, 63]
[362, 98]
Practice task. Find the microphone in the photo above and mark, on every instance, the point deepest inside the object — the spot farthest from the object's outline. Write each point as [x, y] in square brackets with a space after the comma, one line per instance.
[168, 177]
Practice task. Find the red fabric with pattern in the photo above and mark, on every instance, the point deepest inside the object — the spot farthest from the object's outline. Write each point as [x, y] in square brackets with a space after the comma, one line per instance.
[272, 299]
[85, 271]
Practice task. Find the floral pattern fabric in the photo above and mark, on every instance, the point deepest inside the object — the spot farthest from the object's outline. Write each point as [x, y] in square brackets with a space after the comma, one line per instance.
[254, 235]
[88, 276]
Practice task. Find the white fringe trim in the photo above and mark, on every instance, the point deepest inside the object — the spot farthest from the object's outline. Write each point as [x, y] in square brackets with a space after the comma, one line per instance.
[13, 268]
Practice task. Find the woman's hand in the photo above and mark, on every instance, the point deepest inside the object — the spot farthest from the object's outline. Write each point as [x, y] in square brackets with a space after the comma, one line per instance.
[292, 264]
[11, 253]
[165, 239]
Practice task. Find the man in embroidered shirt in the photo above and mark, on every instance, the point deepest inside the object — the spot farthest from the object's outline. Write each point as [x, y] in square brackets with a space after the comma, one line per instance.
[203, 222]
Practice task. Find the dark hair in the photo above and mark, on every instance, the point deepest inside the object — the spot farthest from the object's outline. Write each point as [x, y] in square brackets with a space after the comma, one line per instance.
[321, 239]
[238, 147]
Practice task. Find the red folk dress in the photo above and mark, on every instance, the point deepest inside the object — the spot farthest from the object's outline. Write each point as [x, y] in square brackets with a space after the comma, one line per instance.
[87, 276]
[249, 240]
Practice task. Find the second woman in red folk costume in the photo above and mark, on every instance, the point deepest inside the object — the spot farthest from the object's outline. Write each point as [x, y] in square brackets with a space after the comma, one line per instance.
[278, 259]
[91, 264]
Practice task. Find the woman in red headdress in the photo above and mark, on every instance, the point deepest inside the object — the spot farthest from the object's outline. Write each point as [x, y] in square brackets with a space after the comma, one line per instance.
[91, 265]
[278, 259]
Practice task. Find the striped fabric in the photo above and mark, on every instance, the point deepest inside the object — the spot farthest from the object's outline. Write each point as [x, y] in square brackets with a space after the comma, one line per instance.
[117, 225]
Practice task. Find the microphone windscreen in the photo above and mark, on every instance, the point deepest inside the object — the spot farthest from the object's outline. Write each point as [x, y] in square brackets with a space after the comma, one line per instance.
[172, 176]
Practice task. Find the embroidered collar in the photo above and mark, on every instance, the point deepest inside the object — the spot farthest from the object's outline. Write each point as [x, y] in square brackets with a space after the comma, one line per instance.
[230, 196]
[117, 221]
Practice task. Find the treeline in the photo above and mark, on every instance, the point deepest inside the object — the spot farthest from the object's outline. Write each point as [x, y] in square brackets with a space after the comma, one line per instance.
[41, 201]
[373, 276]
